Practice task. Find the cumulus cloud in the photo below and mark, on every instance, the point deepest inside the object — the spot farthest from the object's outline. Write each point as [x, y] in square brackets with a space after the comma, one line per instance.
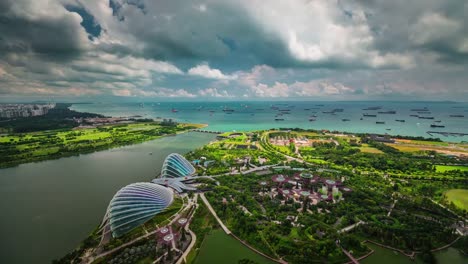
[316, 88]
[205, 71]
[213, 92]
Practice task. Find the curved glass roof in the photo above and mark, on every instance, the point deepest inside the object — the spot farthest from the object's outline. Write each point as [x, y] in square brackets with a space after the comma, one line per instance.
[135, 204]
[176, 166]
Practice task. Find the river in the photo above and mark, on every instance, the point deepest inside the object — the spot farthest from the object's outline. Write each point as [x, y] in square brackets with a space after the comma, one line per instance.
[48, 207]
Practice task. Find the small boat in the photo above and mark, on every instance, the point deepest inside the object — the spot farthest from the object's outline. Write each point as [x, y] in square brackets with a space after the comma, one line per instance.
[414, 115]
[345, 120]
[338, 110]
[279, 119]
[212, 111]
[434, 125]
[388, 129]
[306, 109]
[173, 110]
[151, 153]
[457, 116]
[400, 120]
[228, 110]
[313, 116]
[311, 120]
[361, 118]
[426, 117]
[380, 122]
[437, 121]
[369, 115]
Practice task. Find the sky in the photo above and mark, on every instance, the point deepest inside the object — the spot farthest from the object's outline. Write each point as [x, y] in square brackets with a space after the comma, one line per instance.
[234, 49]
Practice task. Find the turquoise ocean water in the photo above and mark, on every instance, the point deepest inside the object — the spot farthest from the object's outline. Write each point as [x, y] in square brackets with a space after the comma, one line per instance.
[246, 116]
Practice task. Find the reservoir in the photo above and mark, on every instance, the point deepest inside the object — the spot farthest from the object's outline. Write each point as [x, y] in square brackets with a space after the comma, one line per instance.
[48, 207]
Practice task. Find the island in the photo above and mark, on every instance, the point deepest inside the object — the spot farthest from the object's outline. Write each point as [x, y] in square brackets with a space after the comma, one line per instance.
[290, 196]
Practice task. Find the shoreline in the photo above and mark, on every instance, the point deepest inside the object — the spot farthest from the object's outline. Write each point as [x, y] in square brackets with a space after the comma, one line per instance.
[186, 127]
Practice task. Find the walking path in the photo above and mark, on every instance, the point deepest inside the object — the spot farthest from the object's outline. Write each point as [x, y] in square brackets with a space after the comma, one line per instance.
[391, 208]
[183, 258]
[353, 260]
[226, 230]
[351, 227]
[257, 169]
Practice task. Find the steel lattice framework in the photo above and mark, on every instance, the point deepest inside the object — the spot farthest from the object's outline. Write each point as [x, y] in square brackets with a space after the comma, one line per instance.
[176, 166]
[135, 204]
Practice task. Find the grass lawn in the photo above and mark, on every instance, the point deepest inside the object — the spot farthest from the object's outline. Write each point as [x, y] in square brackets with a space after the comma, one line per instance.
[423, 142]
[366, 149]
[318, 161]
[221, 248]
[459, 197]
[405, 148]
[444, 168]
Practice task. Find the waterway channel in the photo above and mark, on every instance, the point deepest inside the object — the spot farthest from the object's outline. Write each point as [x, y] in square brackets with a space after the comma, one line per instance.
[48, 207]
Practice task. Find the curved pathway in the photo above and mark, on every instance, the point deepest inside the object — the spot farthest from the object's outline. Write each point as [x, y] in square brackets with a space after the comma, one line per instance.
[208, 205]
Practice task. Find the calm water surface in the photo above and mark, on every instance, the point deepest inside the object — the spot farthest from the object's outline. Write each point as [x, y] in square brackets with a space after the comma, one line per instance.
[386, 256]
[47, 208]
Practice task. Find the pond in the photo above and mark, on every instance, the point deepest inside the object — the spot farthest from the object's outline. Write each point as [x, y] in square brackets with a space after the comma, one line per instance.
[221, 248]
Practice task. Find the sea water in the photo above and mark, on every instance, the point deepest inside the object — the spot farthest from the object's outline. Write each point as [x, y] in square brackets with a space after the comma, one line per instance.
[247, 116]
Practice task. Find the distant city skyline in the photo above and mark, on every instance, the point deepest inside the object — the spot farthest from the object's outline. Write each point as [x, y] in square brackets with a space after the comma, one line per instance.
[119, 50]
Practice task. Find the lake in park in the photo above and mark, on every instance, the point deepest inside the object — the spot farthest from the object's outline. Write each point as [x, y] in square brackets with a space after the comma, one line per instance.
[49, 207]
[386, 256]
[221, 248]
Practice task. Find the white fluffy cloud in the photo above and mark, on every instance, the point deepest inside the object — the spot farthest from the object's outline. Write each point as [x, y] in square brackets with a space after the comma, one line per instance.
[319, 32]
[205, 71]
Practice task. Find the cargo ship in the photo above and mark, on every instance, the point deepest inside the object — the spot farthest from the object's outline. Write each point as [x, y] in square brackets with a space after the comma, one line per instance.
[387, 112]
[373, 108]
[420, 109]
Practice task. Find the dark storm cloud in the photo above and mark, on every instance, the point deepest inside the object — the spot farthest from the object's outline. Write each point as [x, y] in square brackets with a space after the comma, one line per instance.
[181, 30]
[397, 24]
[26, 30]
